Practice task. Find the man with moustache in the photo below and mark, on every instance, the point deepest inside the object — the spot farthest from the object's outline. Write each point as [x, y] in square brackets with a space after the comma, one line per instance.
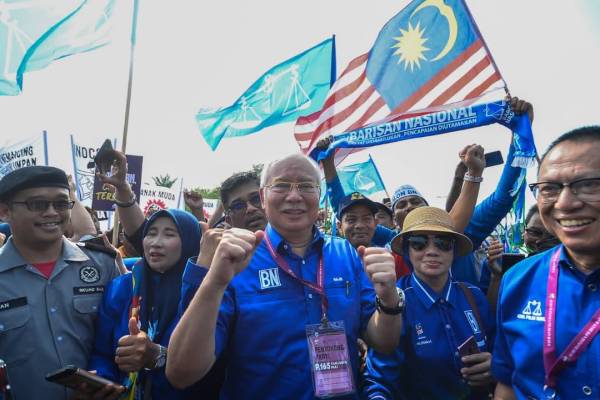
[292, 281]
[50, 288]
[548, 316]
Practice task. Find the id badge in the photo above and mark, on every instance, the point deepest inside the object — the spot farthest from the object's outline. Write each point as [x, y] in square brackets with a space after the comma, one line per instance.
[330, 362]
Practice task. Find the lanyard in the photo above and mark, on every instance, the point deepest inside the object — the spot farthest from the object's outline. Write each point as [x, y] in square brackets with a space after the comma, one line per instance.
[552, 364]
[319, 288]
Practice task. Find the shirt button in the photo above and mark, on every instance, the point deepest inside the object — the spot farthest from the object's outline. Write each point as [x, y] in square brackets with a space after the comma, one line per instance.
[587, 390]
[52, 310]
[1, 327]
[59, 338]
[303, 262]
[310, 295]
[448, 326]
[593, 288]
[442, 301]
[456, 353]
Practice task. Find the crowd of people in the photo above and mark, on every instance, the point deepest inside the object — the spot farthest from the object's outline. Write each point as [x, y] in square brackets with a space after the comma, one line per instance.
[407, 301]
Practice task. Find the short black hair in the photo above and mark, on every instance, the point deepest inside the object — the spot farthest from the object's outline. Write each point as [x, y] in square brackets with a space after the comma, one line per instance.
[532, 211]
[236, 180]
[584, 134]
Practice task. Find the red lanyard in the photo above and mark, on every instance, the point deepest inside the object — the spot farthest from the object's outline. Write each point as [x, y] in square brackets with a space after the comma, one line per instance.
[319, 288]
[552, 364]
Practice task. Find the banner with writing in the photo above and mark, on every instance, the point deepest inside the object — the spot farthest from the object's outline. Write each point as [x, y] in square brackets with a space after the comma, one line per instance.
[103, 196]
[159, 195]
[29, 152]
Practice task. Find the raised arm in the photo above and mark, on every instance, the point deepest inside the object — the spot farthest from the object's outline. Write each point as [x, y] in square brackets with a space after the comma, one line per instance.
[130, 213]
[473, 158]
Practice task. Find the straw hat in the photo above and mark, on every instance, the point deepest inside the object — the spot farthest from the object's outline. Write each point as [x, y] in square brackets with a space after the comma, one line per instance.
[431, 219]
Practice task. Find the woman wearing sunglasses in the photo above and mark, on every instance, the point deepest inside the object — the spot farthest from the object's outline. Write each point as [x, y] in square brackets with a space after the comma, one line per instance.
[444, 350]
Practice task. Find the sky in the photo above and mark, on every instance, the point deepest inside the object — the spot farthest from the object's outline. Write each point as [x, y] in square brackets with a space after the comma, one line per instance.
[192, 55]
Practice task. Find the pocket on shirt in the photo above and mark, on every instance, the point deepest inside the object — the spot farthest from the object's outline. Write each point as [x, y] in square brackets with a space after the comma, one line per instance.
[16, 336]
[87, 305]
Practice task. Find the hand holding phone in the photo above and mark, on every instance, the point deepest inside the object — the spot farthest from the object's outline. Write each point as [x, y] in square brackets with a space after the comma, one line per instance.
[78, 379]
[468, 347]
[493, 158]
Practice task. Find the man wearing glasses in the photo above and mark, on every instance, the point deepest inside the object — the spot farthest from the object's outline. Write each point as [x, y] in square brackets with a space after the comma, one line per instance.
[549, 306]
[241, 200]
[50, 288]
[299, 302]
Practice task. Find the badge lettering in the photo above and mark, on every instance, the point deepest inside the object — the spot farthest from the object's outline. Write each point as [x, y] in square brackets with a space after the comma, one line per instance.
[532, 311]
[88, 290]
[13, 303]
[269, 278]
[472, 321]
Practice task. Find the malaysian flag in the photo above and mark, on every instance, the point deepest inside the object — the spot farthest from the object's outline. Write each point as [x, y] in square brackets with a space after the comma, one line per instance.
[429, 55]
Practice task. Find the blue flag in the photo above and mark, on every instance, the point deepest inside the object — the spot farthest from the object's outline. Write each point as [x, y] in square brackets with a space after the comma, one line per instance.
[294, 87]
[361, 177]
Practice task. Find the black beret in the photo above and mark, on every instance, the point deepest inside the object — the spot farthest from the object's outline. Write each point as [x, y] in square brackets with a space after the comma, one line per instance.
[31, 177]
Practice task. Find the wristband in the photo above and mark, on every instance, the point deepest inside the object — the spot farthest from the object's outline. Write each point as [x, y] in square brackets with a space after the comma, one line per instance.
[129, 203]
[471, 178]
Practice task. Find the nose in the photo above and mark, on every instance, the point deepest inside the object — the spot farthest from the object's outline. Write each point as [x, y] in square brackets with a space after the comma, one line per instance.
[50, 210]
[567, 200]
[293, 195]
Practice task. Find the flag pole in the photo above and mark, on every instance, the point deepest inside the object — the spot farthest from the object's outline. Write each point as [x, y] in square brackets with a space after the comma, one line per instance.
[115, 236]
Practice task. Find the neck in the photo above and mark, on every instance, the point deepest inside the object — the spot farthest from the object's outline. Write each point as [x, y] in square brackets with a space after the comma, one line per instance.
[40, 252]
[586, 263]
[436, 283]
[298, 240]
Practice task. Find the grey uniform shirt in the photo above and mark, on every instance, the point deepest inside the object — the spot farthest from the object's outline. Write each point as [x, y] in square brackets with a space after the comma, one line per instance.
[46, 324]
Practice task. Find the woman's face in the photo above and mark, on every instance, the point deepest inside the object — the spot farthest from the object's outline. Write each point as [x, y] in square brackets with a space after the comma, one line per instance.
[431, 254]
[162, 245]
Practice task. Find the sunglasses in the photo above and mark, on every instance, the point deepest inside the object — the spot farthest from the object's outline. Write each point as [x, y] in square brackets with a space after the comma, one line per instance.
[420, 242]
[43, 205]
[241, 205]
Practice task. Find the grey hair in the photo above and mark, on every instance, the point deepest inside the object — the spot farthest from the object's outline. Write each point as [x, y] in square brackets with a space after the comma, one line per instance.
[266, 172]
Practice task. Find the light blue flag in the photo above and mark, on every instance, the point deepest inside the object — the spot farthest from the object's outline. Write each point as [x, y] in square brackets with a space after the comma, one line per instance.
[361, 177]
[295, 87]
[22, 23]
[84, 29]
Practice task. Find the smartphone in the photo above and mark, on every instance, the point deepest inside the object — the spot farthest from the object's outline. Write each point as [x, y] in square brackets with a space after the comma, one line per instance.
[104, 158]
[468, 347]
[72, 377]
[493, 158]
[510, 259]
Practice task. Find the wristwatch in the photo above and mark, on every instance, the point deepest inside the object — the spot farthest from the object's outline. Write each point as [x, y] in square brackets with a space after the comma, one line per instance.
[399, 309]
[161, 359]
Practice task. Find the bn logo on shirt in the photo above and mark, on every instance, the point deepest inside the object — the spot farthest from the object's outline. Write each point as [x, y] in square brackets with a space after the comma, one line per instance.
[269, 278]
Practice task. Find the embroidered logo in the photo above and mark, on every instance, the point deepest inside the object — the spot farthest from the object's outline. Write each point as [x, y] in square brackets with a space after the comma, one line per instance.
[472, 321]
[89, 274]
[269, 278]
[532, 311]
[419, 329]
[338, 279]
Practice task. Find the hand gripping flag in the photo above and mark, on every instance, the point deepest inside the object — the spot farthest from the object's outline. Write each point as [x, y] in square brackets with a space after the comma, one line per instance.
[429, 55]
[294, 87]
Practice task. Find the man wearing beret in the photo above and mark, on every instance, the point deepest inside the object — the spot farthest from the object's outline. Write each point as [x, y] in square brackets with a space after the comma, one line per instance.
[50, 288]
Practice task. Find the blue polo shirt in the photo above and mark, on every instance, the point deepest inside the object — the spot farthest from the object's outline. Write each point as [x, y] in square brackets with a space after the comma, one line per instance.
[264, 313]
[426, 364]
[518, 352]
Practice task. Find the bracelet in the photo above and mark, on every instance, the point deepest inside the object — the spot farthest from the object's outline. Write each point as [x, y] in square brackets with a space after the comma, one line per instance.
[129, 203]
[470, 178]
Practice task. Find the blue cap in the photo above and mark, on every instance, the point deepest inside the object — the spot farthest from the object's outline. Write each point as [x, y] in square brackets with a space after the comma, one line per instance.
[354, 199]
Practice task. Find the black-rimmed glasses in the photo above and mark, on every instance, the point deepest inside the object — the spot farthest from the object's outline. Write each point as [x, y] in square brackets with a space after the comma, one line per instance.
[586, 189]
[43, 205]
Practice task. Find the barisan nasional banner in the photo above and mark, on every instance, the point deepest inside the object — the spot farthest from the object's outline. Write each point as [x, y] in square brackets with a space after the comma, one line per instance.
[83, 152]
[29, 152]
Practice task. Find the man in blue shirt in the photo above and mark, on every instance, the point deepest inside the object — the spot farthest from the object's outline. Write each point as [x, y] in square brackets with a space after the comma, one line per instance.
[260, 317]
[356, 219]
[547, 301]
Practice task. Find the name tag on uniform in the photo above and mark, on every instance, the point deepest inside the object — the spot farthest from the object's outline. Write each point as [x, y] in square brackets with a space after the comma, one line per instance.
[88, 290]
[14, 303]
[330, 362]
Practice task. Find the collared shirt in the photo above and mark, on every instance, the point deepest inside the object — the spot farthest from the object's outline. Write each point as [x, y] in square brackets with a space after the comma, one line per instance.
[46, 324]
[264, 313]
[426, 364]
[518, 353]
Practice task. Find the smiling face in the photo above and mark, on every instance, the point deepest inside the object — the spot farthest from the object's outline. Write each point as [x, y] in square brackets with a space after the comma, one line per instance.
[37, 228]
[574, 222]
[430, 263]
[293, 214]
[162, 245]
[404, 206]
[358, 225]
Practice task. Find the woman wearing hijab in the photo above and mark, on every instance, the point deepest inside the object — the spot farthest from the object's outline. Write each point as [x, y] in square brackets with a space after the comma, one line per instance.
[140, 310]
[444, 350]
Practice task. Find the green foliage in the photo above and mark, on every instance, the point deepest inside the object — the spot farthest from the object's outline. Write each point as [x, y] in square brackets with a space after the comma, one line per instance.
[164, 181]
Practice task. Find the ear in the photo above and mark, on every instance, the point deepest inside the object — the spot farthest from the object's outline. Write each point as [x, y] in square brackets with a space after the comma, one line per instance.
[262, 194]
[4, 212]
[338, 224]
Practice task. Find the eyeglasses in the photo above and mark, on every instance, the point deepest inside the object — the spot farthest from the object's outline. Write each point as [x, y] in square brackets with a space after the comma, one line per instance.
[42, 205]
[287, 187]
[241, 205]
[420, 242]
[587, 189]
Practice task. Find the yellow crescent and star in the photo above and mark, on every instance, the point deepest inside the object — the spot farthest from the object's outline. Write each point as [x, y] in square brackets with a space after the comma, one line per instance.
[410, 45]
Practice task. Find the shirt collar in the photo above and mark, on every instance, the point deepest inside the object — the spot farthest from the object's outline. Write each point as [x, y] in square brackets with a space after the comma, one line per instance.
[427, 295]
[280, 243]
[11, 258]
[566, 263]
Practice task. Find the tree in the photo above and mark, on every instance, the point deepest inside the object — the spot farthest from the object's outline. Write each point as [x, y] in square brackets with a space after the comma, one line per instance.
[164, 181]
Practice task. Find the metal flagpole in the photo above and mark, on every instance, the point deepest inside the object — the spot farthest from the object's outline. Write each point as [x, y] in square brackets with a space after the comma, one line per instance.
[115, 237]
